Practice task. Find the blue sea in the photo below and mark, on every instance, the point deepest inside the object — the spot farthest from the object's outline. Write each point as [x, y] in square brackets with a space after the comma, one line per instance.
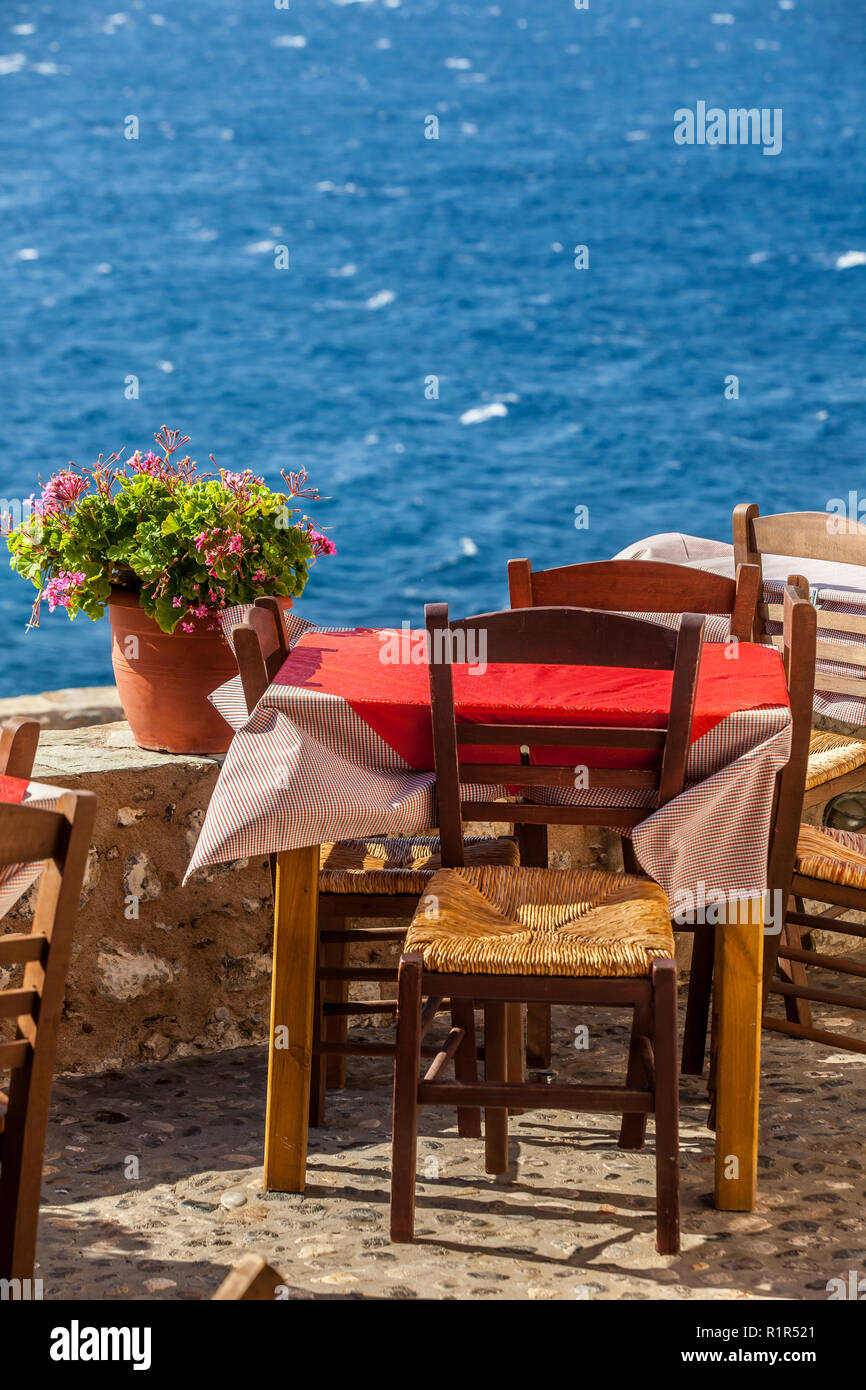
[413, 258]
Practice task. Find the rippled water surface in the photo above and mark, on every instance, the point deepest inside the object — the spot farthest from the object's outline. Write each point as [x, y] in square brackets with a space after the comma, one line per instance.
[452, 258]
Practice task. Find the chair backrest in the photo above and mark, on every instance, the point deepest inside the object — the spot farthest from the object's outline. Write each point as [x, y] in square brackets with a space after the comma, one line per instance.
[799, 622]
[62, 838]
[639, 586]
[18, 743]
[567, 637]
[260, 648]
[810, 536]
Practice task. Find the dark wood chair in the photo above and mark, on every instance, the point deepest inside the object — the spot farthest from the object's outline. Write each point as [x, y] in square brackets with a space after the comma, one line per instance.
[502, 938]
[19, 739]
[837, 761]
[358, 880]
[640, 586]
[61, 837]
[624, 586]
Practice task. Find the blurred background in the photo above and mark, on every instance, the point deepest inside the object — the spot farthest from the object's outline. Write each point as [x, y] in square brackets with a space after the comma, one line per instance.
[413, 258]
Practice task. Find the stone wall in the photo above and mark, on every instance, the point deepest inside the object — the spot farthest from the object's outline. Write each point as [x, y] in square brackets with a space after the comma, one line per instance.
[65, 709]
[156, 969]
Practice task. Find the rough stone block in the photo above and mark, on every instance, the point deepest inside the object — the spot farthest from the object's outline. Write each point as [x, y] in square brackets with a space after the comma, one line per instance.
[65, 709]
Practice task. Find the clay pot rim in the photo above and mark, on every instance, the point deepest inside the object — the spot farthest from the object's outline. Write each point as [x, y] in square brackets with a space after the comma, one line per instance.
[128, 598]
[125, 598]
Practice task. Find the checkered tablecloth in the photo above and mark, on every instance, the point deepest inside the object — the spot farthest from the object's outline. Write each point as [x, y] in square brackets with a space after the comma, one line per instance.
[306, 767]
[15, 879]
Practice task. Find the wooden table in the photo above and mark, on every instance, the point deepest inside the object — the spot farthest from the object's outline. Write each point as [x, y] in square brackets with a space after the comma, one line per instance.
[339, 746]
[739, 953]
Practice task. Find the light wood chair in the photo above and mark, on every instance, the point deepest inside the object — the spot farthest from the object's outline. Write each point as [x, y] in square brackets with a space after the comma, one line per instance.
[624, 586]
[19, 739]
[837, 762]
[358, 880]
[823, 866]
[61, 837]
[499, 938]
[798, 651]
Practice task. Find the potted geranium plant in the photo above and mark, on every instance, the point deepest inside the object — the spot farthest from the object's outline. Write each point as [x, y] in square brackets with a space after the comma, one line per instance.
[167, 550]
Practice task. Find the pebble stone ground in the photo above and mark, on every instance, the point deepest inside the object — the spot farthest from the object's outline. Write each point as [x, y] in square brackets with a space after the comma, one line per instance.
[153, 1188]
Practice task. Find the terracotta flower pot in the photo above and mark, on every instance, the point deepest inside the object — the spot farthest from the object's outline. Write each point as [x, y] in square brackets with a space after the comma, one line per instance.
[164, 680]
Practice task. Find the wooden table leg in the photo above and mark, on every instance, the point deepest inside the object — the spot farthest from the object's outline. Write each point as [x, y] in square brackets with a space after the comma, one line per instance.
[291, 1036]
[739, 952]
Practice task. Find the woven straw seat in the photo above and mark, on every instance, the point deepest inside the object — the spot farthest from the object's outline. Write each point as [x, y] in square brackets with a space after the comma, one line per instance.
[836, 856]
[513, 921]
[400, 865]
[832, 755]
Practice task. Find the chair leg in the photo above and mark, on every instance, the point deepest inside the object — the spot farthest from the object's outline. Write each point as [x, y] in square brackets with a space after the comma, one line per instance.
[632, 1131]
[796, 1010]
[495, 1069]
[532, 843]
[466, 1065]
[318, 1065]
[538, 1041]
[336, 953]
[664, 982]
[698, 1002]
[404, 1141]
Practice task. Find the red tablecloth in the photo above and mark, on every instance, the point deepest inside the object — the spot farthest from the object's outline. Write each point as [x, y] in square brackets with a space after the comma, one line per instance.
[339, 747]
[393, 697]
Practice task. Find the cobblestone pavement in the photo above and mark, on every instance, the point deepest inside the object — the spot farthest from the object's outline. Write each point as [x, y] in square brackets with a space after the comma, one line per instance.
[153, 1188]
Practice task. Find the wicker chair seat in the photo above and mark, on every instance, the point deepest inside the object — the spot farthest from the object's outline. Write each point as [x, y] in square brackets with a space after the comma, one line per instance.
[400, 866]
[836, 856]
[526, 921]
[832, 755]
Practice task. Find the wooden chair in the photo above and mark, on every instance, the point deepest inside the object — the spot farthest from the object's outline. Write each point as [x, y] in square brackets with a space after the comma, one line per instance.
[824, 866]
[19, 739]
[62, 838]
[836, 761]
[798, 650]
[501, 938]
[640, 586]
[358, 879]
[624, 586]
[18, 743]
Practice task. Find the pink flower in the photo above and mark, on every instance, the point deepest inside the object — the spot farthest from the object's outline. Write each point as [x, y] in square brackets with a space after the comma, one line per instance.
[240, 483]
[62, 490]
[176, 603]
[320, 543]
[59, 589]
[200, 612]
[188, 627]
[149, 464]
